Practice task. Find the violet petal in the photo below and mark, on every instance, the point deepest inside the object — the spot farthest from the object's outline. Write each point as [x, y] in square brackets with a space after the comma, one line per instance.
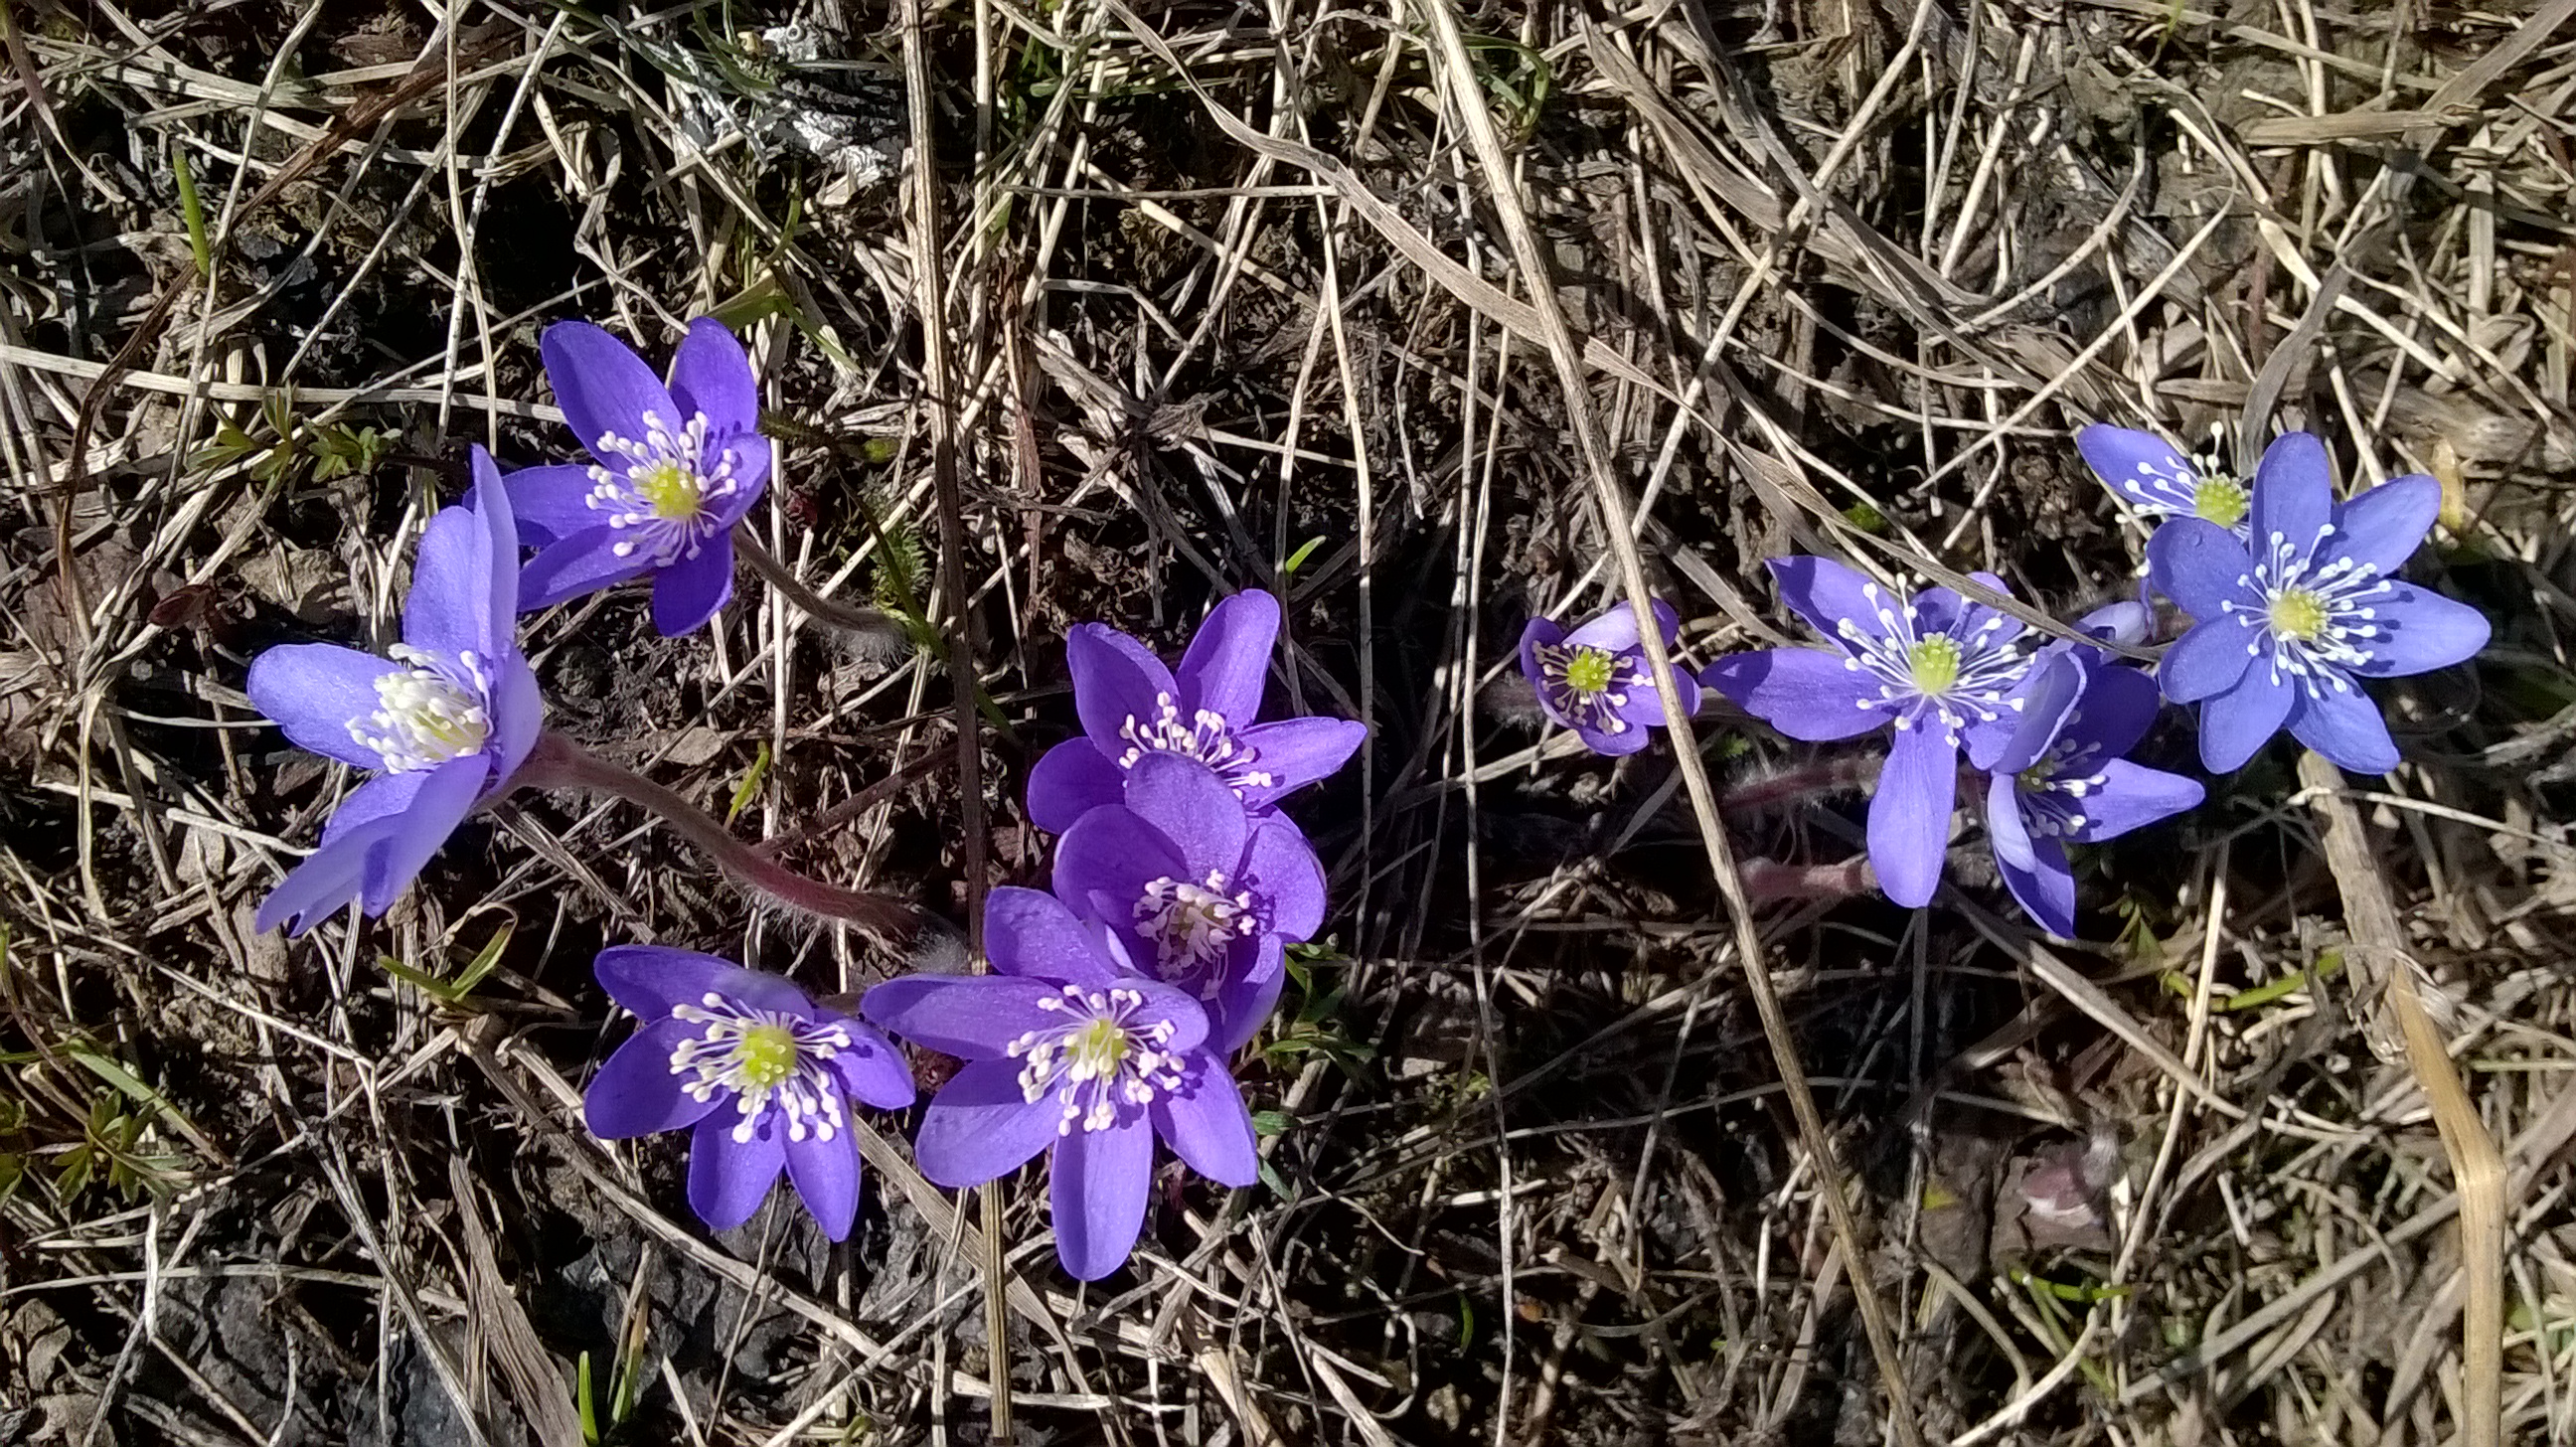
[1096, 1198]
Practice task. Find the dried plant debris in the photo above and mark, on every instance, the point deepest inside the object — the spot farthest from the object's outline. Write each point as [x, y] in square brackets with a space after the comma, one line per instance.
[1232, 302]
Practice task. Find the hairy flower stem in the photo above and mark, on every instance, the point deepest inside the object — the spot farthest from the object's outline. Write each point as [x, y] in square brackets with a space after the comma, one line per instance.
[1791, 786]
[880, 636]
[1768, 881]
[558, 763]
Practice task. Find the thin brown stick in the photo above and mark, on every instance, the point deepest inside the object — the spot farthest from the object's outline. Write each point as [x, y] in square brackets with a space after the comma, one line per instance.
[1617, 528]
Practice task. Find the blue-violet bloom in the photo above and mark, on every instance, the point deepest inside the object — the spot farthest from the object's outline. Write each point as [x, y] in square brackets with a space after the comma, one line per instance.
[446, 720]
[1201, 893]
[1068, 1050]
[2062, 776]
[760, 1075]
[1595, 680]
[676, 467]
[1935, 666]
[2284, 631]
[2147, 473]
[1131, 706]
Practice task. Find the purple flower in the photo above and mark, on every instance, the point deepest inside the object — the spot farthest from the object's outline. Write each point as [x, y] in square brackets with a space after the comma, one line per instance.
[762, 1073]
[2147, 473]
[2284, 630]
[1131, 706]
[1934, 667]
[1200, 893]
[1595, 680]
[677, 468]
[1067, 1050]
[2061, 776]
[447, 720]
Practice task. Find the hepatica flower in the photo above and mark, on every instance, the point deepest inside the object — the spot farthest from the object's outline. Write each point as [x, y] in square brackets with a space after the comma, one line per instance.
[2284, 630]
[1068, 1051]
[759, 1074]
[1595, 680]
[1932, 667]
[1200, 893]
[445, 721]
[2151, 476]
[1132, 706]
[2061, 777]
[674, 468]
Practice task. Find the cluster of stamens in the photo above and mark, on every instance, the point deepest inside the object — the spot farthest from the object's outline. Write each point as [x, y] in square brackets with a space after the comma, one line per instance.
[667, 489]
[2316, 618]
[1100, 1058]
[1193, 925]
[424, 715]
[2217, 494]
[1205, 737]
[1959, 677]
[768, 1059]
[1588, 685]
[2050, 786]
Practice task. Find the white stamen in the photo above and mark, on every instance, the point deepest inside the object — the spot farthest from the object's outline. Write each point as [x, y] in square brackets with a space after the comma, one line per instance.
[665, 487]
[770, 1060]
[426, 715]
[1206, 738]
[1988, 669]
[1102, 1058]
[1192, 926]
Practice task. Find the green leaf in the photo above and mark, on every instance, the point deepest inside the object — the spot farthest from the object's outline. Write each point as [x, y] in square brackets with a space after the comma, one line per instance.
[1298, 558]
[748, 788]
[192, 211]
[581, 1399]
[1268, 1122]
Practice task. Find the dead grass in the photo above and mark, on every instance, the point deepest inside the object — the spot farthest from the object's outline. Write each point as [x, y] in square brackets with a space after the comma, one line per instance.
[1226, 297]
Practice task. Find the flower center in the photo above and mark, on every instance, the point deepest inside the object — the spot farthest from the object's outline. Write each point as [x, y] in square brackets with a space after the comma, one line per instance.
[1101, 1058]
[1206, 738]
[1591, 670]
[663, 487]
[1934, 662]
[2051, 789]
[423, 716]
[2297, 613]
[2318, 616]
[1193, 925]
[669, 489]
[2221, 499]
[1587, 686]
[1949, 674]
[768, 1059]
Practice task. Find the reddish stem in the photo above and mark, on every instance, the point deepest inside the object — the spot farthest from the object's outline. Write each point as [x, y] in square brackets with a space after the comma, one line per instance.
[1768, 881]
[558, 763]
[1823, 776]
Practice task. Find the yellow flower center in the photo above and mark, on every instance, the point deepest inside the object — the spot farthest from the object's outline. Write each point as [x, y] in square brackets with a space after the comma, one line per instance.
[2298, 613]
[670, 490]
[1590, 670]
[1095, 1049]
[1934, 663]
[2222, 500]
[766, 1056]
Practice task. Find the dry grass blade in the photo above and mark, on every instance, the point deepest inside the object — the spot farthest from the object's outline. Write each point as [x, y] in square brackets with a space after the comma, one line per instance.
[2383, 960]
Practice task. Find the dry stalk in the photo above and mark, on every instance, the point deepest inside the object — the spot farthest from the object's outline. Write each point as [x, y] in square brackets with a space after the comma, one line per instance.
[1466, 95]
[938, 404]
[2477, 1168]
